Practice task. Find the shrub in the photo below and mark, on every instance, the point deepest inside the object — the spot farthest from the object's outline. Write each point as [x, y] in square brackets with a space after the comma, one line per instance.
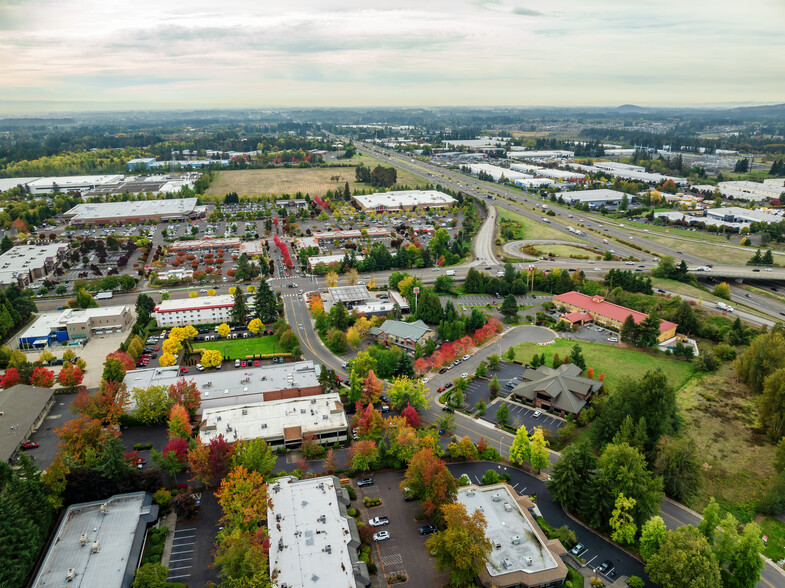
[724, 352]
[490, 477]
[352, 512]
[490, 454]
[142, 446]
[352, 493]
[162, 498]
[464, 480]
[635, 582]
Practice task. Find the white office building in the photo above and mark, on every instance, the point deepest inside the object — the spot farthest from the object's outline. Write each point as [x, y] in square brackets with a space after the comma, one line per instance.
[403, 200]
[596, 198]
[24, 264]
[203, 310]
[313, 540]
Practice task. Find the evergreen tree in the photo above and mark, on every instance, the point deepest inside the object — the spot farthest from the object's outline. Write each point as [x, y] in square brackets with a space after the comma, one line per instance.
[571, 475]
[265, 303]
[509, 308]
[576, 357]
[240, 309]
[405, 366]
[768, 258]
[629, 330]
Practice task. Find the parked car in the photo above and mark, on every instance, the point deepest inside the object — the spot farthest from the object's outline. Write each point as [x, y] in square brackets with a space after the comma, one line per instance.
[236, 363]
[183, 370]
[256, 363]
[381, 536]
[443, 371]
[379, 521]
[537, 414]
[200, 367]
[606, 568]
[428, 529]
[464, 375]
[578, 549]
[29, 445]
[465, 357]
[365, 482]
[448, 409]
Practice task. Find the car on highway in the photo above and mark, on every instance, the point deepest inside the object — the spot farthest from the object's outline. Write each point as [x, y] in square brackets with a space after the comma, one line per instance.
[379, 521]
[630, 263]
[29, 445]
[365, 482]
[578, 549]
[428, 529]
[660, 290]
[381, 536]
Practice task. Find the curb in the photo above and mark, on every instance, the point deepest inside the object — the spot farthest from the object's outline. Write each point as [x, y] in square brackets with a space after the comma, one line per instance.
[171, 523]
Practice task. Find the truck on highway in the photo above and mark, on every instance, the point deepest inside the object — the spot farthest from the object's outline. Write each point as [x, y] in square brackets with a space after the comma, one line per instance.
[450, 272]
[103, 296]
[703, 268]
[724, 307]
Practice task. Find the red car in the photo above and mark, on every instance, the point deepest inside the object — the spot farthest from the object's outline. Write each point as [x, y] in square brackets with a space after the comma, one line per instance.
[183, 370]
[244, 363]
[441, 389]
[29, 445]
[156, 349]
[256, 363]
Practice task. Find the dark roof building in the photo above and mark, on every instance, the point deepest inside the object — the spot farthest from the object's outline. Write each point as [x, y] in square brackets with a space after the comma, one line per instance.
[562, 389]
[22, 410]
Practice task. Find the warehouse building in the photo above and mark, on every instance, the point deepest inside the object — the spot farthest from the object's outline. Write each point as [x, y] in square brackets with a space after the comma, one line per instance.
[754, 191]
[232, 388]
[138, 211]
[403, 200]
[521, 555]
[203, 310]
[67, 184]
[581, 309]
[154, 184]
[24, 264]
[76, 324]
[24, 408]
[737, 214]
[548, 155]
[627, 172]
[498, 173]
[281, 423]
[98, 543]
[596, 198]
[313, 540]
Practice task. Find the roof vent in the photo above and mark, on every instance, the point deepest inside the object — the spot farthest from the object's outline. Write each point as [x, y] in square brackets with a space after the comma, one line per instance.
[322, 519]
[280, 544]
[70, 575]
[104, 508]
[83, 539]
[96, 546]
[470, 492]
[496, 497]
[245, 411]
[516, 540]
[327, 549]
[507, 507]
[528, 561]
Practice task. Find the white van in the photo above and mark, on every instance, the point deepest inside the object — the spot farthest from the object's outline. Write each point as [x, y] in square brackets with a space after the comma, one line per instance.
[450, 272]
[613, 339]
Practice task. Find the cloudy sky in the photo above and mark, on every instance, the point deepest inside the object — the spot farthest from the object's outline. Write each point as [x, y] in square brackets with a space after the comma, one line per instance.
[112, 54]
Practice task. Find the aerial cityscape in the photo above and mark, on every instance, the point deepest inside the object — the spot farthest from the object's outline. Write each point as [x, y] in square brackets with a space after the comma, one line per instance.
[442, 294]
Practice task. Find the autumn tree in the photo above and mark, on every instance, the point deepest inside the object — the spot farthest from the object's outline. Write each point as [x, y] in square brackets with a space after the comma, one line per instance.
[125, 359]
[70, 377]
[363, 455]
[113, 370]
[372, 388]
[539, 451]
[243, 499]
[185, 392]
[521, 449]
[624, 527]
[211, 358]
[107, 404]
[11, 378]
[463, 547]
[406, 391]
[255, 326]
[411, 416]
[83, 434]
[223, 329]
[254, 455]
[179, 423]
[429, 479]
[42, 378]
[370, 423]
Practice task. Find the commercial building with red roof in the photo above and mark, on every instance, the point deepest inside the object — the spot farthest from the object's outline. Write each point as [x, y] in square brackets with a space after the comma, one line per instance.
[581, 308]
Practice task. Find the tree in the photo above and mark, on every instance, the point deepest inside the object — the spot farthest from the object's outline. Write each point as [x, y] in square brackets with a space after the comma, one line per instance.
[428, 478]
[11, 378]
[70, 377]
[521, 449]
[710, 520]
[128, 362]
[372, 388]
[462, 548]
[332, 279]
[772, 404]
[764, 356]
[502, 413]
[684, 560]
[364, 363]
[107, 404]
[339, 317]
[629, 330]
[363, 455]
[446, 422]
[239, 309]
[370, 423]
[113, 370]
[167, 359]
[539, 451]
[223, 329]
[624, 527]
[151, 404]
[85, 300]
[185, 393]
[82, 435]
[42, 378]
[265, 304]
[494, 386]
[572, 475]
[722, 290]
[576, 357]
[411, 416]
[443, 284]
[150, 575]
[179, 424]
[678, 463]
[243, 499]
[211, 358]
[405, 391]
[493, 362]
[653, 534]
[482, 370]
[509, 308]
[255, 326]
[255, 456]
[746, 563]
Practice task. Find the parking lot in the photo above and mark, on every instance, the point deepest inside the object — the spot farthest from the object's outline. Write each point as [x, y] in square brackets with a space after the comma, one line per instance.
[480, 389]
[594, 333]
[182, 559]
[523, 415]
[404, 551]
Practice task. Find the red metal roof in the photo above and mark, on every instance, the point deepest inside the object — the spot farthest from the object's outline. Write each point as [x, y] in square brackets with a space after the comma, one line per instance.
[598, 305]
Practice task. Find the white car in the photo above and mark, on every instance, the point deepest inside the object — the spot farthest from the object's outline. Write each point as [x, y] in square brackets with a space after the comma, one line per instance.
[464, 375]
[379, 521]
[630, 263]
[537, 414]
[200, 367]
[426, 380]
[381, 536]
[465, 357]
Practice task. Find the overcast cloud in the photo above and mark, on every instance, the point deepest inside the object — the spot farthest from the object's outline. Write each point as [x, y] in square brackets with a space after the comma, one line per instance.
[72, 54]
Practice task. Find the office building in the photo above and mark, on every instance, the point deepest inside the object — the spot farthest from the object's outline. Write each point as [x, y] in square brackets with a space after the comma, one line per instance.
[24, 264]
[403, 334]
[403, 200]
[562, 389]
[76, 324]
[203, 310]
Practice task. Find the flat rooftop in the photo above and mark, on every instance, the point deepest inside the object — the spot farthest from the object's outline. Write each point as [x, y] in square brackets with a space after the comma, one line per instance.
[310, 538]
[231, 387]
[598, 195]
[66, 182]
[120, 210]
[119, 532]
[23, 258]
[198, 303]
[404, 198]
[518, 547]
[349, 293]
[21, 406]
[50, 321]
[290, 418]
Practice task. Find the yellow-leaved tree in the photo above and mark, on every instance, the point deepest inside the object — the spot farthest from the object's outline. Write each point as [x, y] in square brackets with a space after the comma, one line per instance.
[332, 279]
[223, 329]
[211, 358]
[167, 359]
[255, 326]
[211, 292]
[171, 346]
[193, 294]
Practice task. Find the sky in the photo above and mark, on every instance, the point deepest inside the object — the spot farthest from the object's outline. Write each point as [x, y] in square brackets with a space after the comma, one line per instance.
[61, 55]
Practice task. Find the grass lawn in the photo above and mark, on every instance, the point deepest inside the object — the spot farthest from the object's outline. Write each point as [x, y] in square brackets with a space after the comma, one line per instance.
[567, 251]
[616, 362]
[775, 531]
[308, 180]
[240, 348]
[721, 416]
[535, 230]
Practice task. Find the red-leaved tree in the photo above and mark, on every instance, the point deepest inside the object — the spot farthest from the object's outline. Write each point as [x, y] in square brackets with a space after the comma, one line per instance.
[186, 393]
[42, 378]
[127, 361]
[70, 377]
[10, 378]
[411, 416]
[421, 366]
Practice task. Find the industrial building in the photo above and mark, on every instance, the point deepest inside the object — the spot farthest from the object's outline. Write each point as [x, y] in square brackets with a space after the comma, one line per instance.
[313, 540]
[23, 409]
[23, 264]
[521, 555]
[65, 184]
[403, 200]
[203, 310]
[754, 191]
[562, 389]
[596, 198]
[498, 173]
[737, 214]
[281, 423]
[138, 211]
[546, 172]
[75, 325]
[547, 155]
[154, 184]
[232, 388]
[627, 172]
[581, 308]
[140, 163]
[98, 543]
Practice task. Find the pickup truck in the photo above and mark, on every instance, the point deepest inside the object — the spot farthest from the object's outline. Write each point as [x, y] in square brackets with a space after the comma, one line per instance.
[379, 521]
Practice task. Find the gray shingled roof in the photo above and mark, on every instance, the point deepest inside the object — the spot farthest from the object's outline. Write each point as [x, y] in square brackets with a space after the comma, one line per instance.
[561, 384]
[403, 330]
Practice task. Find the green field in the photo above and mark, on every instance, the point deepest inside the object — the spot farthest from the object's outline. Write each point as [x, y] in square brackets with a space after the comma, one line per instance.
[535, 230]
[614, 361]
[290, 180]
[722, 418]
[567, 251]
[241, 348]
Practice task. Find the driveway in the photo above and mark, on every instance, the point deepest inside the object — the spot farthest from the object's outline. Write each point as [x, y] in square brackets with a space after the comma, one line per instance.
[523, 415]
[60, 414]
[404, 551]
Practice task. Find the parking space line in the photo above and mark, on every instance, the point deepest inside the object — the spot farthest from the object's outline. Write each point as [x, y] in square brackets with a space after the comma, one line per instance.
[180, 576]
[188, 567]
[591, 560]
[184, 530]
[184, 551]
[478, 480]
[179, 560]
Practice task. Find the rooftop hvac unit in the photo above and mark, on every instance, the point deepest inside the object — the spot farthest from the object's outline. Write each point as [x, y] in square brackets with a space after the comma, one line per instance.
[324, 417]
[516, 540]
[245, 411]
[313, 400]
[96, 546]
[496, 497]
[302, 411]
[497, 544]
[70, 575]
[507, 563]
[508, 507]
[218, 418]
[264, 425]
[480, 509]
[322, 519]
[104, 508]
[470, 492]
[528, 561]
[327, 549]
[278, 518]
[280, 544]
[83, 539]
